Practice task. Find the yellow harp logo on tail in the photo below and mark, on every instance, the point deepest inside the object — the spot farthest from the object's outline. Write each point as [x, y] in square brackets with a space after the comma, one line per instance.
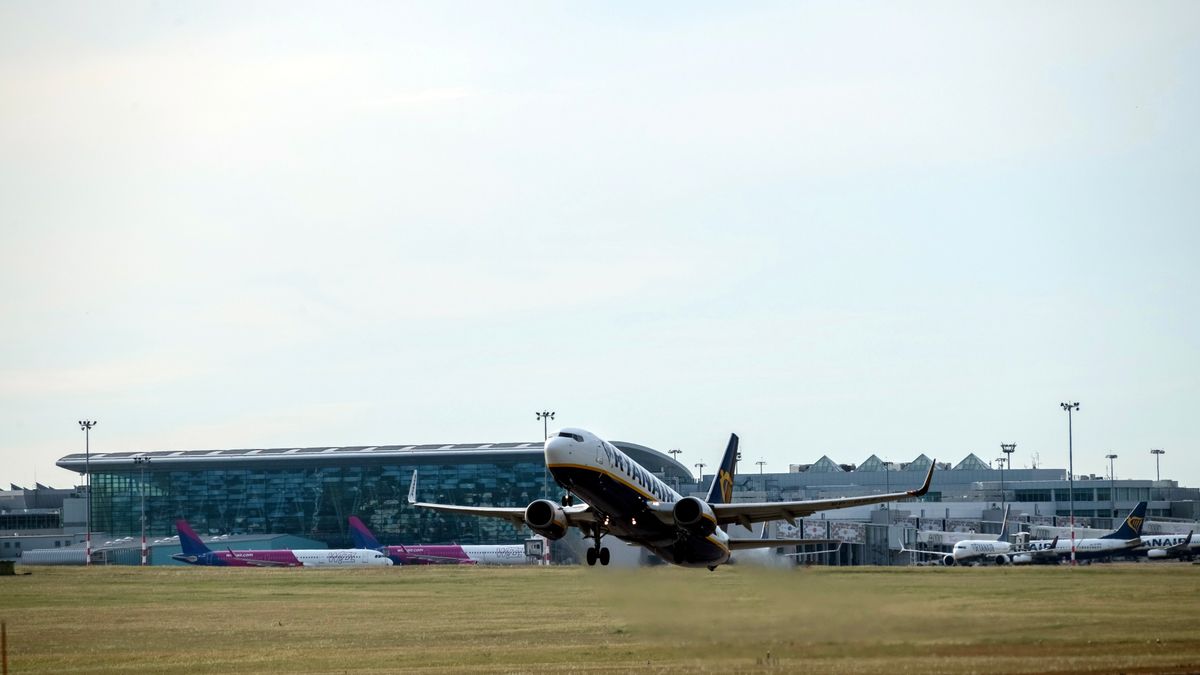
[1135, 523]
[726, 486]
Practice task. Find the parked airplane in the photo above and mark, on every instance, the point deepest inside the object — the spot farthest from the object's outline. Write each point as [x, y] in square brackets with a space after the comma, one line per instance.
[998, 550]
[196, 553]
[1163, 546]
[625, 500]
[439, 554]
[1121, 540]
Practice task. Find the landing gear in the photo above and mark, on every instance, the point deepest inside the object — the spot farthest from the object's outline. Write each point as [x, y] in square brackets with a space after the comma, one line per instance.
[567, 500]
[597, 552]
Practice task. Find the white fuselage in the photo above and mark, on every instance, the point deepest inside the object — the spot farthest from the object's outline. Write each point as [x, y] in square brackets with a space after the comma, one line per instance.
[341, 557]
[505, 554]
[1089, 548]
[988, 550]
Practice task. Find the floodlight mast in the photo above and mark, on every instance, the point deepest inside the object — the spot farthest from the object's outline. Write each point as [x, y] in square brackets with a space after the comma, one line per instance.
[545, 416]
[1007, 449]
[700, 470]
[1157, 454]
[86, 427]
[1112, 489]
[142, 462]
[1070, 407]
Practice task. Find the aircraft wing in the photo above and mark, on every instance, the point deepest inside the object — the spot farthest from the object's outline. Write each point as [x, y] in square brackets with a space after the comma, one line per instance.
[757, 512]
[742, 544]
[1183, 546]
[939, 554]
[576, 515]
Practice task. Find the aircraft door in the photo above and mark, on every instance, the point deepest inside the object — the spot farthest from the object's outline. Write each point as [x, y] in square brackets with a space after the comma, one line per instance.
[603, 457]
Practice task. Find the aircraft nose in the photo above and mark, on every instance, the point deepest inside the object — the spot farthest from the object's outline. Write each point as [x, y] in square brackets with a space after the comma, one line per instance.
[560, 449]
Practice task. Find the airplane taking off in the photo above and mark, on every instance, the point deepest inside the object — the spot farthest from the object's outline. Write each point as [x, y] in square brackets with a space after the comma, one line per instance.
[998, 550]
[438, 554]
[1121, 540]
[196, 553]
[625, 500]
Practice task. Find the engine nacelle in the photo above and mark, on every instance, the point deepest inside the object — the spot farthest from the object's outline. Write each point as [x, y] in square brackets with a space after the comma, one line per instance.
[546, 518]
[695, 516]
[1021, 559]
[949, 561]
[1001, 559]
[1157, 553]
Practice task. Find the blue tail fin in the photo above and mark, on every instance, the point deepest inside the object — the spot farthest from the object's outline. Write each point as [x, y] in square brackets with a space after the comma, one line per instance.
[189, 541]
[1004, 525]
[721, 490]
[1132, 527]
[361, 534]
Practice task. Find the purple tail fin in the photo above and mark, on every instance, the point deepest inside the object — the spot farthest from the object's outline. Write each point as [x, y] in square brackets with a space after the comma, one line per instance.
[188, 541]
[361, 535]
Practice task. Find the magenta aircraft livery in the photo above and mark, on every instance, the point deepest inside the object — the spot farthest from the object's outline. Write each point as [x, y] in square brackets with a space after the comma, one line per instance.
[625, 500]
[439, 554]
[196, 553]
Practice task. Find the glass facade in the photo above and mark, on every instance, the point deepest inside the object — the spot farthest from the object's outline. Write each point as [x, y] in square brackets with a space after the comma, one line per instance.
[316, 501]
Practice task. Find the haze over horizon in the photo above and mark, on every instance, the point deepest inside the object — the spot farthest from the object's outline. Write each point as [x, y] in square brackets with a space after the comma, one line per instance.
[834, 229]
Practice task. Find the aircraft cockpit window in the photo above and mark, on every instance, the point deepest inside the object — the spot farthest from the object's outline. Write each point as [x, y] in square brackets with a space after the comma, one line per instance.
[575, 437]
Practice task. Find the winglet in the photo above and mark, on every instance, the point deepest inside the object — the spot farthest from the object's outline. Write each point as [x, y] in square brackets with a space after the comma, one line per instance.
[412, 489]
[920, 492]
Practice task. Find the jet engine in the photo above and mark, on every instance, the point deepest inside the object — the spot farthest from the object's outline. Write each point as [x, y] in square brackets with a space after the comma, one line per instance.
[1157, 553]
[1001, 559]
[546, 518]
[695, 516]
[949, 561]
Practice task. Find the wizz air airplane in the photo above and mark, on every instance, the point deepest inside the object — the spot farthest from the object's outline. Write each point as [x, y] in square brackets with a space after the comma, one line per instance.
[196, 553]
[1122, 540]
[623, 499]
[439, 554]
[998, 550]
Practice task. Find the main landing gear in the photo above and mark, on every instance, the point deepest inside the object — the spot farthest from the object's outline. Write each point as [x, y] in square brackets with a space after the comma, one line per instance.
[597, 552]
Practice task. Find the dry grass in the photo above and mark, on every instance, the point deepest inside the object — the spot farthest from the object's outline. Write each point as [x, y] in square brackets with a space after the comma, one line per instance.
[1102, 618]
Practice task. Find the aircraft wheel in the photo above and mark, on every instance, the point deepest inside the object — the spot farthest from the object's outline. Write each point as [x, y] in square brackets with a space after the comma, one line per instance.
[591, 556]
[567, 500]
[604, 557]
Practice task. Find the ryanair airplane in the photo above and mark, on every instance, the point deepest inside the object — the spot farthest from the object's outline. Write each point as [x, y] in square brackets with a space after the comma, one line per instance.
[622, 499]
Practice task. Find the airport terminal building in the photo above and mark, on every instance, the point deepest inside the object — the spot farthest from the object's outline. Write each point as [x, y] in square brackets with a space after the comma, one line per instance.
[311, 492]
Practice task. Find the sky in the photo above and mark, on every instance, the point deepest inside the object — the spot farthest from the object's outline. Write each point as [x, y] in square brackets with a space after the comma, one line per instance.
[835, 228]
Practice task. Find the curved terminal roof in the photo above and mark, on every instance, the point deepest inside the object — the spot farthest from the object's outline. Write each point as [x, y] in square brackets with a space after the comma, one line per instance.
[531, 451]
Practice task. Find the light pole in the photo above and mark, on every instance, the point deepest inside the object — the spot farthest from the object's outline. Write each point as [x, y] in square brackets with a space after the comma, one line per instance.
[1112, 490]
[86, 426]
[1157, 453]
[545, 416]
[700, 469]
[1070, 407]
[674, 453]
[1007, 449]
[887, 482]
[142, 462]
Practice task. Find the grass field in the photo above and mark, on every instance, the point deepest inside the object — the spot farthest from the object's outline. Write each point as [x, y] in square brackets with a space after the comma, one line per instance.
[1102, 618]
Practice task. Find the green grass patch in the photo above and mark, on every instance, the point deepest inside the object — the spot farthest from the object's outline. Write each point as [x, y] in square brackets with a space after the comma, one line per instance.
[1100, 618]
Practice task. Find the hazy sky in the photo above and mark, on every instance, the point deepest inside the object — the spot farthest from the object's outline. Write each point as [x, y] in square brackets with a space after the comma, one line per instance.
[834, 228]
